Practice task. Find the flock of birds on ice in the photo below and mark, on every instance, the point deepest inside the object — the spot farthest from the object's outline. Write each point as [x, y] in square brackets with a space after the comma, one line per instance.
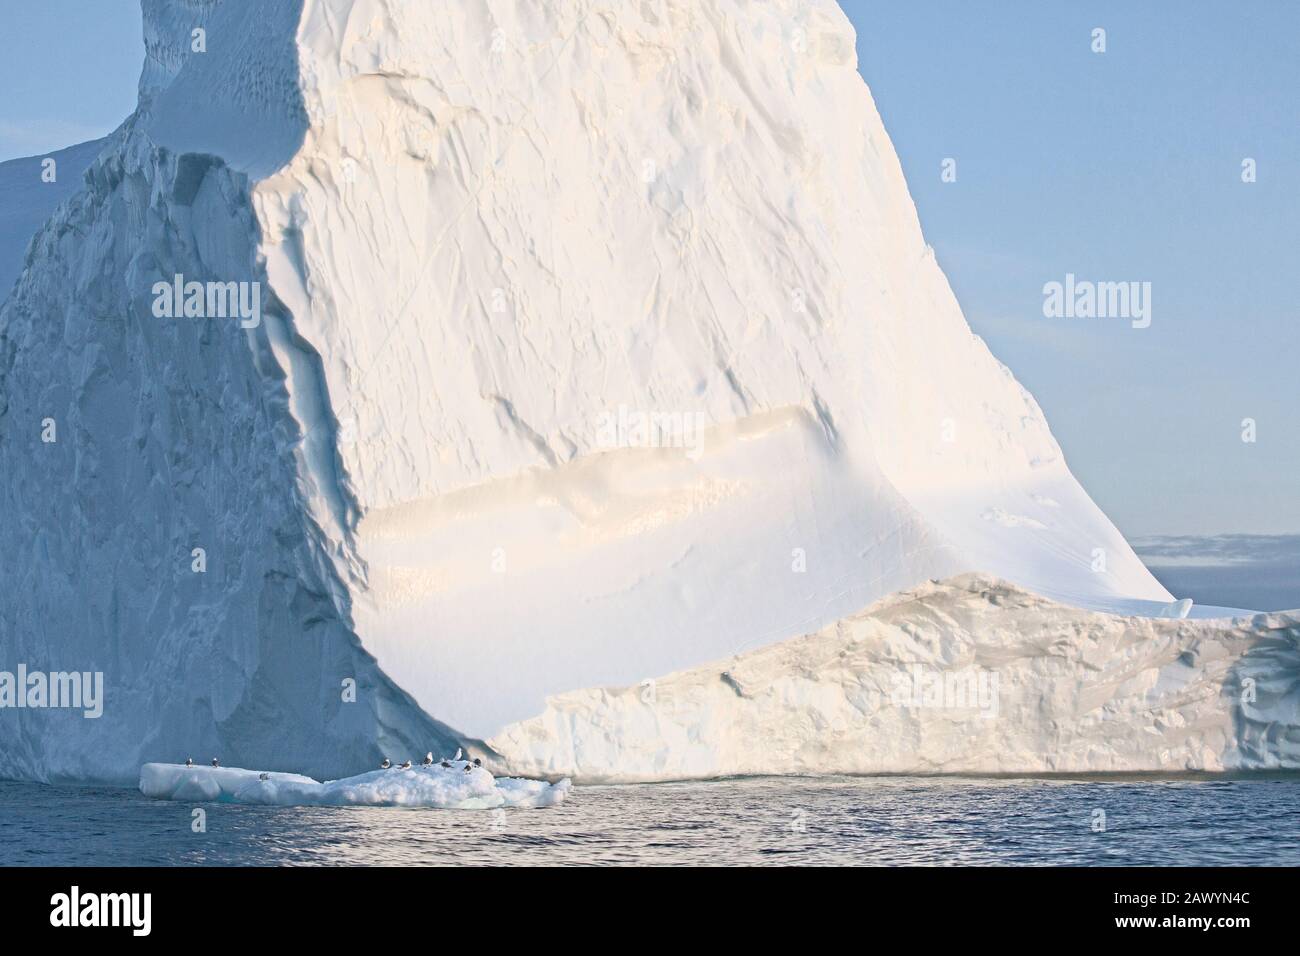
[386, 764]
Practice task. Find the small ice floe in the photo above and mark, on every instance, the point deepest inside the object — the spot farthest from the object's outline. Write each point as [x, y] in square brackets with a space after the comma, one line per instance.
[457, 784]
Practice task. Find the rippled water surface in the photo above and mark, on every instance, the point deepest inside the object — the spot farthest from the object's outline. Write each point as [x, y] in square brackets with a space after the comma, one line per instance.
[880, 820]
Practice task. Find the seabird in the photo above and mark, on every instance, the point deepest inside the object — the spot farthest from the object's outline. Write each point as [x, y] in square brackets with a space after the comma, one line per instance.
[468, 768]
[457, 757]
[446, 764]
[478, 762]
[215, 762]
[405, 766]
[263, 776]
[428, 759]
[189, 761]
[385, 765]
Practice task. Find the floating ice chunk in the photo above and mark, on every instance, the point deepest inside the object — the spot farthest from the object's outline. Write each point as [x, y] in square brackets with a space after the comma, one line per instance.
[460, 786]
[1179, 609]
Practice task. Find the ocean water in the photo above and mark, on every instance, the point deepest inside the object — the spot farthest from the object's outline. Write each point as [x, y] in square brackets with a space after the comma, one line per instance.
[1177, 820]
[1258, 586]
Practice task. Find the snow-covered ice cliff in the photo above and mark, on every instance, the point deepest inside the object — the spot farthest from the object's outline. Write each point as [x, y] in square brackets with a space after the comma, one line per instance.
[597, 340]
[970, 675]
[130, 441]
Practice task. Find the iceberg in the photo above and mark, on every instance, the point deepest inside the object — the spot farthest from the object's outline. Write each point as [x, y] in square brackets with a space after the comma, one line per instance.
[592, 344]
[461, 786]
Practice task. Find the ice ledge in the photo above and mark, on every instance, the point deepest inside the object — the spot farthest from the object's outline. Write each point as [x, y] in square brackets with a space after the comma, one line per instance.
[969, 675]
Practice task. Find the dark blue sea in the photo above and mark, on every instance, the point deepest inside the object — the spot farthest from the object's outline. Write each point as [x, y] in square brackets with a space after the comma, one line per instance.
[1094, 821]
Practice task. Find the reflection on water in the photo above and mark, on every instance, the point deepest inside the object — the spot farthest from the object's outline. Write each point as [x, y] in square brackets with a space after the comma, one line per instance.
[878, 820]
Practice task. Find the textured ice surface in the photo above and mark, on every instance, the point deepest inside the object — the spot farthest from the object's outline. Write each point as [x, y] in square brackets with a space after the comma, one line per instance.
[452, 787]
[493, 241]
[174, 435]
[970, 675]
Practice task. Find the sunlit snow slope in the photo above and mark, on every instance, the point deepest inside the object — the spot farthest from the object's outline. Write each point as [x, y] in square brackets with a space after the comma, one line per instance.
[506, 227]
[494, 239]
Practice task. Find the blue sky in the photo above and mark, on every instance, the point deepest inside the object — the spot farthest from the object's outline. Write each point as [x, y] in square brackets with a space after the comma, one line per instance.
[1120, 166]
[68, 69]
